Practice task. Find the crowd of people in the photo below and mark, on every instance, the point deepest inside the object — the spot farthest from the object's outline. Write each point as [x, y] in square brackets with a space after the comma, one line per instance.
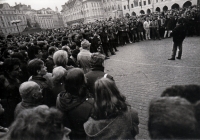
[53, 84]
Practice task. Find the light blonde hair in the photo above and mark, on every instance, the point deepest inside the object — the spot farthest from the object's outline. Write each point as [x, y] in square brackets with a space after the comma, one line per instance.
[26, 88]
[60, 58]
[58, 74]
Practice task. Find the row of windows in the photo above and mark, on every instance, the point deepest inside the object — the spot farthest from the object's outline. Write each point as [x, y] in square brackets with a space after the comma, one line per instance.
[96, 4]
[95, 12]
[136, 4]
[11, 12]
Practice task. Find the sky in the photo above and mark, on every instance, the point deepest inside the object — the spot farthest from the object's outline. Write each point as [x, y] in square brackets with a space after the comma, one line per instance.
[38, 4]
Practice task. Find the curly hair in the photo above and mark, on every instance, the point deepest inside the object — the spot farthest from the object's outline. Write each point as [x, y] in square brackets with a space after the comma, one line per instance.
[40, 123]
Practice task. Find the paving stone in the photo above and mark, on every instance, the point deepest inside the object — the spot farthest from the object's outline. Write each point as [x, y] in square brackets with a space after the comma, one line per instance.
[142, 72]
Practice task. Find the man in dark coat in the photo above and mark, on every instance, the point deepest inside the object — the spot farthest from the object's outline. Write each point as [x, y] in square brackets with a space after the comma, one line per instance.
[178, 36]
[97, 67]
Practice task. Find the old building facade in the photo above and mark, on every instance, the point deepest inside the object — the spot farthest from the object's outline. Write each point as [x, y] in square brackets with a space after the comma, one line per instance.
[9, 14]
[84, 11]
[112, 8]
[137, 7]
[28, 17]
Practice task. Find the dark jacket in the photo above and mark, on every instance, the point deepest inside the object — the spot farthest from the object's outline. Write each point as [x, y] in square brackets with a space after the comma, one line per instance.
[50, 64]
[92, 76]
[124, 126]
[179, 34]
[76, 112]
[46, 90]
[10, 97]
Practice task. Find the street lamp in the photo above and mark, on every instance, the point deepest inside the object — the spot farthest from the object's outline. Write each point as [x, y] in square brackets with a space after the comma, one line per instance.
[16, 22]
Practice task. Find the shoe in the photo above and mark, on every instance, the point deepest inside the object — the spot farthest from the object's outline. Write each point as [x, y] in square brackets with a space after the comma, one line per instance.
[178, 57]
[116, 50]
[107, 57]
[171, 59]
[130, 42]
[113, 53]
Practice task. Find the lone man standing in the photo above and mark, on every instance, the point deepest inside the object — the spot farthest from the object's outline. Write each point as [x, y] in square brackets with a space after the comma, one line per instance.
[178, 34]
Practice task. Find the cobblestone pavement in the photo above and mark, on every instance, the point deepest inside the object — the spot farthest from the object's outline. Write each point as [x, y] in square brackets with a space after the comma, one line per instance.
[142, 71]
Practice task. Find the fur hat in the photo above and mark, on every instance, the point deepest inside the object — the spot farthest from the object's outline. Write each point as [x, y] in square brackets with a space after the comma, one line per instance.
[171, 118]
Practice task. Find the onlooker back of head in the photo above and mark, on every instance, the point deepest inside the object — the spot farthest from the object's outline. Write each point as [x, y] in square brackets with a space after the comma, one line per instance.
[40, 123]
[171, 118]
[189, 92]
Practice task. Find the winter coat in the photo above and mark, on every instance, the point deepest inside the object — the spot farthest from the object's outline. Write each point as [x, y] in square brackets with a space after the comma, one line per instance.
[46, 87]
[124, 126]
[179, 34]
[76, 112]
[92, 76]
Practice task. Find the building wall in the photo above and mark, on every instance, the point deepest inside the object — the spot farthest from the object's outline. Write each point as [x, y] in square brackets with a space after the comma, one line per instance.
[45, 21]
[76, 11]
[136, 7]
[8, 14]
[112, 8]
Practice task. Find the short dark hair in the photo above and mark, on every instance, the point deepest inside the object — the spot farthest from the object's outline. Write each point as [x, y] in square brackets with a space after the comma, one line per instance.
[34, 65]
[189, 92]
[75, 81]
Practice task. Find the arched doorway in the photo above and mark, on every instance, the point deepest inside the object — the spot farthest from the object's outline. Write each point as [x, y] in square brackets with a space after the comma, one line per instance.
[158, 9]
[148, 11]
[142, 12]
[165, 8]
[187, 4]
[133, 14]
[175, 6]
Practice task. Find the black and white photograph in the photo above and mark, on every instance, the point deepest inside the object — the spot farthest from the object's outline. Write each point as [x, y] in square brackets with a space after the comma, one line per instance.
[99, 69]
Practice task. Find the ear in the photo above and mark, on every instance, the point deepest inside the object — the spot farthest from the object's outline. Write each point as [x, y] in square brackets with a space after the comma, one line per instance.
[38, 72]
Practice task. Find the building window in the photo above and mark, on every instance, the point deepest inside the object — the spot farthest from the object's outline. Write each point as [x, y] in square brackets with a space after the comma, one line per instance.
[140, 3]
[124, 7]
[149, 1]
[127, 6]
[157, 1]
[131, 5]
[144, 2]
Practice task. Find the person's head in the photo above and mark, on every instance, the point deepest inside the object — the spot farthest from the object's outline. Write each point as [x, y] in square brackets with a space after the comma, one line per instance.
[30, 91]
[12, 67]
[60, 58]
[85, 44]
[108, 99]
[39, 123]
[189, 92]
[75, 81]
[75, 53]
[36, 67]
[52, 50]
[97, 60]
[171, 118]
[58, 74]
[67, 49]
